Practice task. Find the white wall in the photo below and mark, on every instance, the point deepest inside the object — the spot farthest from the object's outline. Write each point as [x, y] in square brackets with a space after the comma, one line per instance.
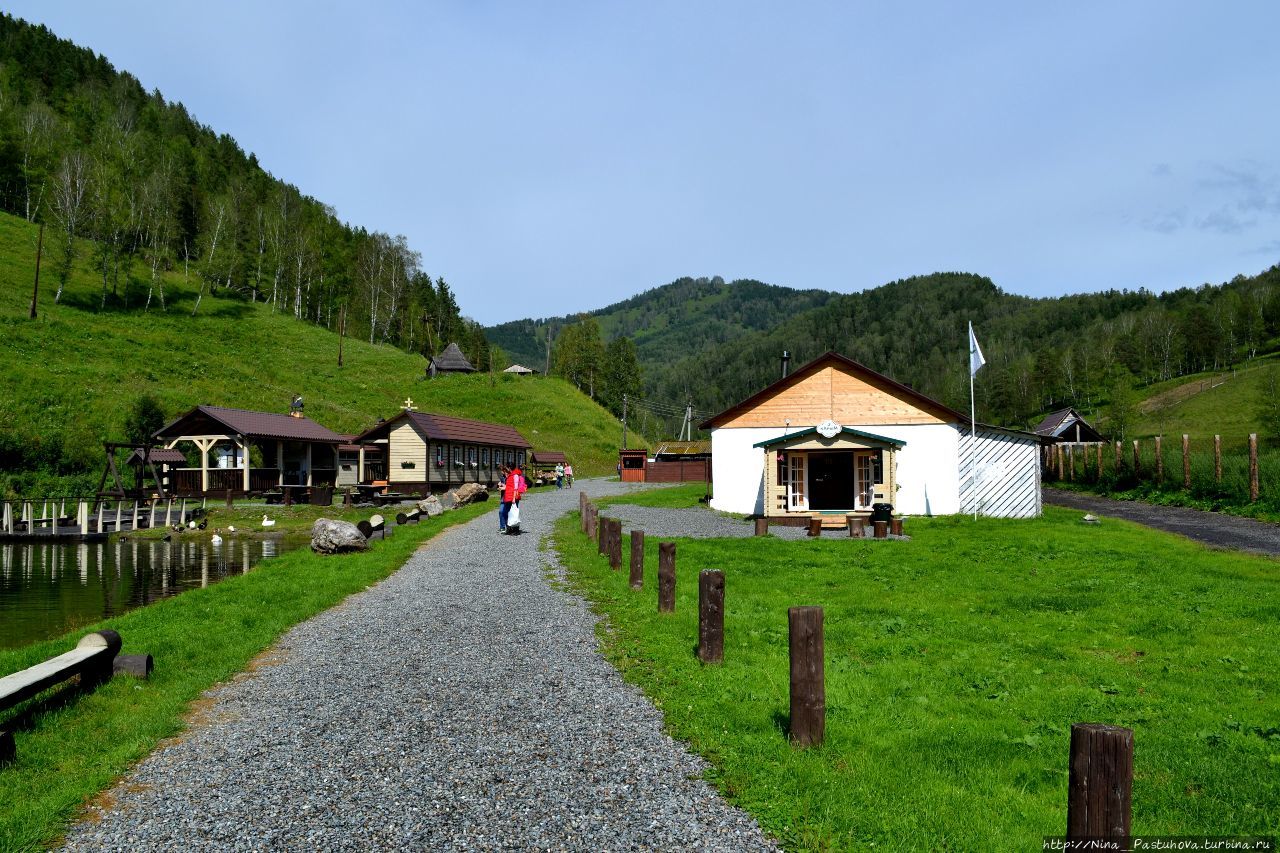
[928, 467]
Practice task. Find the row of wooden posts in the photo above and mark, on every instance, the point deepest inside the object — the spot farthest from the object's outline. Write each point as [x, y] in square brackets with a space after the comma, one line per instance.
[1062, 458]
[1100, 783]
[92, 516]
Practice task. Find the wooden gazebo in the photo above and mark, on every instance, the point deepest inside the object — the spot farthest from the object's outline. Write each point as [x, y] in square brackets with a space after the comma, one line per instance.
[294, 450]
[450, 361]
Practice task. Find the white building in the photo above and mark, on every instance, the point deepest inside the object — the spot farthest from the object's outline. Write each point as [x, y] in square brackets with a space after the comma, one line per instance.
[835, 437]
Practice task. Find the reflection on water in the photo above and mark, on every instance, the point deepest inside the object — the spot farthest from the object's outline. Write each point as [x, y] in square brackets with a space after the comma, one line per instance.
[49, 589]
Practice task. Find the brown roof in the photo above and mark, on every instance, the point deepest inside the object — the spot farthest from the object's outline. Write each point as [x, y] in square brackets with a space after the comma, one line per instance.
[446, 428]
[683, 448]
[547, 457]
[818, 363]
[213, 420]
[159, 455]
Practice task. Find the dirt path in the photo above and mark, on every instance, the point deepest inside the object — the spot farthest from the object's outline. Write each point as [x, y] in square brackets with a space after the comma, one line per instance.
[1209, 528]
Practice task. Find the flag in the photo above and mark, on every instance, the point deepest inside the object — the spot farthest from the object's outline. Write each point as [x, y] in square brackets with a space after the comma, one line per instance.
[975, 353]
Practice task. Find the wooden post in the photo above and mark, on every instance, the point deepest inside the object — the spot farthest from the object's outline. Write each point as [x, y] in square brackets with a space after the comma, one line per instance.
[1217, 459]
[582, 510]
[1118, 457]
[666, 577]
[152, 524]
[1100, 782]
[1098, 448]
[854, 523]
[230, 504]
[881, 529]
[602, 536]
[762, 526]
[895, 526]
[135, 514]
[99, 511]
[615, 544]
[815, 527]
[1137, 460]
[1253, 467]
[1071, 461]
[1061, 458]
[808, 681]
[711, 616]
[1186, 462]
[8, 519]
[637, 559]
[118, 517]
[168, 513]
[1159, 459]
[82, 515]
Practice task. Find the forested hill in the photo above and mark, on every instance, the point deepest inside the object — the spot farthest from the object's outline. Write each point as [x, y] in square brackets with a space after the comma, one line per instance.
[125, 179]
[723, 342]
[668, 322]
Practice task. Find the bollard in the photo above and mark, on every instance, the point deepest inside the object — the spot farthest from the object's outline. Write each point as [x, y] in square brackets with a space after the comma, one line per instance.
[1137, 459]
[895, 526]
[1253, 467]
[711, 616]
[815, 527]
[1159, 459]
[666, 577]
[1100, 783]
[881, 529]
[615, 544]
[602, 535]
[762, 526]
[1217, 459]
[637, 559]
[1186, 461]
[808, 682]
[854, 523]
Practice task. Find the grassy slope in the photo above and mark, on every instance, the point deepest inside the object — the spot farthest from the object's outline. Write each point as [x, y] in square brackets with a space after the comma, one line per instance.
[75, 371]
[955, 664]
[1228, 407]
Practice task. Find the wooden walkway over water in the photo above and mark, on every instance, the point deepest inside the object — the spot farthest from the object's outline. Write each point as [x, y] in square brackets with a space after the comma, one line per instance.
[86, 520]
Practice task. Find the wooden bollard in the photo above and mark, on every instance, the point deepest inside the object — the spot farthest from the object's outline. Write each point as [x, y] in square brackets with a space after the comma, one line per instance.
[230, 502]
[808, 681]
[1159, 459]
[711, 616]
[895, 526]
[1217, 459]
[1061, 462]
[881, 529]
[1071, 461]
[762, 526]
[602, 535]
[637, 559]
[1119, 457]
[1186, 461]
[1100, 782]
[1137, 460]
[854, 523]
[815, 527]
[615, 544]
[666, 577]
[138, 666]
[582, 510]
[1098, 448]
[1254, 491]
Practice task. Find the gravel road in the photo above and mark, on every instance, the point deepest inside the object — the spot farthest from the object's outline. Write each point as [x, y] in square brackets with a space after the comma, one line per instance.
[1210, 528]
[460, 704]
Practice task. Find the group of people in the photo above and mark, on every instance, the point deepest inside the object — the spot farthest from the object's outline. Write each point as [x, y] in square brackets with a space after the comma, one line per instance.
[512, 484]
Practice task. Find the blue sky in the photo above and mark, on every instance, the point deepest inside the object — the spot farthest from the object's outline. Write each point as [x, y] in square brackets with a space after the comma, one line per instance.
[548, 158]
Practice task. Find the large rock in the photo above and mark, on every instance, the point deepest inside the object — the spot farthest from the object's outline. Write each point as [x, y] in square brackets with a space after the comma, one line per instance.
[471, 493]
[430, 506]
[449, 499]
[330, 536]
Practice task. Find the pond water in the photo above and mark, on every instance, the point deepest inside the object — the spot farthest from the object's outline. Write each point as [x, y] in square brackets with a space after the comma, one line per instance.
[49, 589]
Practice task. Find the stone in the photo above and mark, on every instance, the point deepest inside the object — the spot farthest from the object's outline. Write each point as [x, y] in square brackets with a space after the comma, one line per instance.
[331, 536]
[431, 506]
[449, 499]
[471, 493]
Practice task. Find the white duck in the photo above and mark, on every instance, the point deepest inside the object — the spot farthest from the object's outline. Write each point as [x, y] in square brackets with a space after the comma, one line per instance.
[216, 540]
[268, 522]
[231, 529]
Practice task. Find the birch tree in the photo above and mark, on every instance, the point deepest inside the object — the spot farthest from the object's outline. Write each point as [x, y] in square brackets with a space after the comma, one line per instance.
[68, 202]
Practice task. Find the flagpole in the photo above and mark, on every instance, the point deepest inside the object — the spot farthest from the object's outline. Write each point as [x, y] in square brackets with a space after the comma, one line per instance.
[973, 441]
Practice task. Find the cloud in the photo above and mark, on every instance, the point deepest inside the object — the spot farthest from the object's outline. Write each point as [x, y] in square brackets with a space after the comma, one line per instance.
[1248, 186]
[1224, 221]
[1272, 248]
[1166, 223]
[1161, 170]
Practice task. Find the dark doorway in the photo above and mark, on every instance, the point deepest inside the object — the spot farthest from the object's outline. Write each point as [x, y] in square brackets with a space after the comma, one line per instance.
[831, 484]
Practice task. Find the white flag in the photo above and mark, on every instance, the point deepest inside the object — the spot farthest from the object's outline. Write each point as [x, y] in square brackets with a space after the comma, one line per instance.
[975, 353]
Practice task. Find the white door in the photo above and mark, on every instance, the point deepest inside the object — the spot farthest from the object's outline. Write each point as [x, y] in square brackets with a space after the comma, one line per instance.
[797, 482]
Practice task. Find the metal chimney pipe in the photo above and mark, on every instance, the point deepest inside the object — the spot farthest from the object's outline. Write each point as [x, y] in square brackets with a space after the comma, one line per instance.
[786, 363]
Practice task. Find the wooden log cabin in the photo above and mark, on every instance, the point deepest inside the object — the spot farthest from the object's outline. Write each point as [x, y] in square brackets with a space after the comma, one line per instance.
[426, 452]
[834, 438]
[244, 452]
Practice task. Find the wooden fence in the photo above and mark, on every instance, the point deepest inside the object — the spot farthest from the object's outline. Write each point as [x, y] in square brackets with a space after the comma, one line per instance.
[1199, 467]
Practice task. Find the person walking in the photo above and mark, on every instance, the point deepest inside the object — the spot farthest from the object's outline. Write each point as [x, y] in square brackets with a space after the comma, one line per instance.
[568, 474]
[560, 475]
[515, 486]
[504, 507]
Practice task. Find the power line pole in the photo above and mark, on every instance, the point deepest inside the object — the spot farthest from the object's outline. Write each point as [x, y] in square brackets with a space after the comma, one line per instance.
[624, 421]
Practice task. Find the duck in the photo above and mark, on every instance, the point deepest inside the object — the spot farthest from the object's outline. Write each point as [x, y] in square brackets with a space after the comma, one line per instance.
[177, 528]
[231, 528]
[204, 522]
[191, 525]
[216, 540]
[268, 522]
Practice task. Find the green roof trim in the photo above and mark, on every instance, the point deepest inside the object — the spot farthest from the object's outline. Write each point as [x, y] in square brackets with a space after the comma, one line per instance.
[896, 442]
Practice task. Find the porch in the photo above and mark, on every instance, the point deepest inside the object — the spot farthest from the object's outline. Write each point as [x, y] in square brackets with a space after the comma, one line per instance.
[830, 478]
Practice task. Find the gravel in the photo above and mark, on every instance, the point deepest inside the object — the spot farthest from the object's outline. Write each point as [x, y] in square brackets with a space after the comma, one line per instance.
[460, 704]
[691, 522]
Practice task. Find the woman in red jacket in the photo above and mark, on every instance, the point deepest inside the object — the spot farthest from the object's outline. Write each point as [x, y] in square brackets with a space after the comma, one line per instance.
[513, 487]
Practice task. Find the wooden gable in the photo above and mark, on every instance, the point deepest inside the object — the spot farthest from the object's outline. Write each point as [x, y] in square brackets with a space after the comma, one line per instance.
[837, 389]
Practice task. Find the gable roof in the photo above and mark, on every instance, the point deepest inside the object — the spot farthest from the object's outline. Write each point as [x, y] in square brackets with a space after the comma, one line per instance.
[159, 455]
[547, 457]
[1053, 420]
[828, 358]
[1056, 424]
[452, 359]
[856, 433]
[447, 428]
[207, 420]
[519, 368]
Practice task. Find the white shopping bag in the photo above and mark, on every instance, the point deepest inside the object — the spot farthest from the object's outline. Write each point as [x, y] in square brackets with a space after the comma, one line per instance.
[513, 517]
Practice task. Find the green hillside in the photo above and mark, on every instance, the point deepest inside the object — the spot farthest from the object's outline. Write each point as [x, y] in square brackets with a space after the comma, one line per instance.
[68, 378]
[1202, 406]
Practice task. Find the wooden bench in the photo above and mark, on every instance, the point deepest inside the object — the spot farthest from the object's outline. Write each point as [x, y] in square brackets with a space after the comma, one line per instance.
[92, 659]
[410, 517]
[374, 524]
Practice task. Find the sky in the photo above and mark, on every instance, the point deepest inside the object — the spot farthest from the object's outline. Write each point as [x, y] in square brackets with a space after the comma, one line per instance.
[554, 157]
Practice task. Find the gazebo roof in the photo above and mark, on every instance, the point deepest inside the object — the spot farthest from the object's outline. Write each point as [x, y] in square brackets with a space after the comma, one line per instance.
[158, 455]
[519, 368]
[214, 420]
[452, 359]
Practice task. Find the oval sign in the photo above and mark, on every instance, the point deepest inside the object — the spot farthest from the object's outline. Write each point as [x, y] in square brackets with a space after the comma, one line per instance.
[829, 429]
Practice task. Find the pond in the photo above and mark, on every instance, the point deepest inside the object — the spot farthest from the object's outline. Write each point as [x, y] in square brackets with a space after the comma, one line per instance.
[47, 590]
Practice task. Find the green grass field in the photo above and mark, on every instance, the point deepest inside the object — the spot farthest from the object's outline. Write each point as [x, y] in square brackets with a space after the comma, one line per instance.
[955, 665]
[68, 378]
[1227, 407]
[68, 754]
